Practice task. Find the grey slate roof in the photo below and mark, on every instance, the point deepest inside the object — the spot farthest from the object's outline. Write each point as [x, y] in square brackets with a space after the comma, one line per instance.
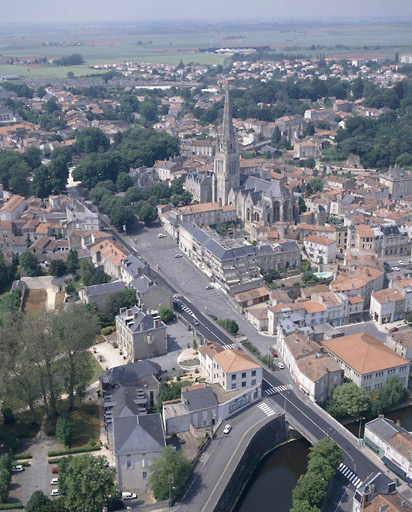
[142, 321]
[273, 189]
[384, 428]
[201, 398]
[141, 283]
[103, 289]
[138, 434]
[132, 265]
[129, 372]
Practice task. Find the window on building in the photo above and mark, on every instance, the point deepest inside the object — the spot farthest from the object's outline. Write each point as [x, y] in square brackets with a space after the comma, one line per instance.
[253, 373]
[144, 475]
[243, 384]
[253, 382]
[234, 386]
[234, 376]
[244, 375]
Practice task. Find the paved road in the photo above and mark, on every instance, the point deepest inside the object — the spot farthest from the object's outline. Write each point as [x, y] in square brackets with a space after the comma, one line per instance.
[309, 419]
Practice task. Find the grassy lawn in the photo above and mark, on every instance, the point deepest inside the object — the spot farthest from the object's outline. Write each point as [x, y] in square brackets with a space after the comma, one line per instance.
[97, 368]
[86, 422]
[86, 425]
[23, 426]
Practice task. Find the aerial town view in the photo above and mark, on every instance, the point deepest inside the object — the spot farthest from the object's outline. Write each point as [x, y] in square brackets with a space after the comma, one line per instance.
[206, 256]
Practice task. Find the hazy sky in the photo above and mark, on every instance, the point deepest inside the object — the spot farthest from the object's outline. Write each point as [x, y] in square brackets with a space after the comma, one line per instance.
[135, 10]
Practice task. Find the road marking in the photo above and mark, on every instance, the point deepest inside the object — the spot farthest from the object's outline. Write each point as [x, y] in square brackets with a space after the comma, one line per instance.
[278, 389]
[349, 475]
[266, 409]
[230, 345]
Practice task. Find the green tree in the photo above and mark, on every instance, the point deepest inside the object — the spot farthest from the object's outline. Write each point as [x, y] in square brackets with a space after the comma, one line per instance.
[42, 185]
[70, 74]
[347, 400]
[122, 215]
[59, 174]
[87, 483]
[11, 441]
[393, 393]
[91, 140]
[77, 329]
[147, 214]
[117, 300]
[29, 264]
[72, 261]
[302, 205]
[8, 416]
[172, 466]
[316, 184]
[57, 268]
[65, 429]
[39, 502]
[230, 325]
[124, 182]
[93, 275]
[166, 315]
[18, 181]
[33, 157]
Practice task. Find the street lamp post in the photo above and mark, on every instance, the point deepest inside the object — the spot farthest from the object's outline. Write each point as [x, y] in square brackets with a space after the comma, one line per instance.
[360, 426]
[170, 490]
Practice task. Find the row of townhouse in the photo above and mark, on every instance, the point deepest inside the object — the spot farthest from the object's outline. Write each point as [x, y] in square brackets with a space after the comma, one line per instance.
[386, 240]
[315, 372]
[323, 307]
[234, 265]
[392, 443]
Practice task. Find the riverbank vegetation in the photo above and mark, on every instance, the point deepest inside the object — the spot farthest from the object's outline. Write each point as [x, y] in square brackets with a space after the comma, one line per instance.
[310, 491]
[351, 401]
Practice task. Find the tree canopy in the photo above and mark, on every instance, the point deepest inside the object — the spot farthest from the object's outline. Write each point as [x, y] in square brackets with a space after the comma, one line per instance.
[172, 466]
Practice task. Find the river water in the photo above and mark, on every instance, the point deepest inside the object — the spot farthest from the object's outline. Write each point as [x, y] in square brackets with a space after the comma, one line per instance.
[271, 485]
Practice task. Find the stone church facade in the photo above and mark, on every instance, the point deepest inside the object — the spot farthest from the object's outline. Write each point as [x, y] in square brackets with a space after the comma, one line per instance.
[259, 203]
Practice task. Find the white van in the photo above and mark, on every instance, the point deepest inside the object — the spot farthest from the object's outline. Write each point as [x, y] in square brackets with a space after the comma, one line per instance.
[128, 495]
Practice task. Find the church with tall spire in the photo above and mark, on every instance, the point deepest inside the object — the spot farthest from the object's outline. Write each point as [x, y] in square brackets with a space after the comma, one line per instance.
[226, 173]
[259, 203]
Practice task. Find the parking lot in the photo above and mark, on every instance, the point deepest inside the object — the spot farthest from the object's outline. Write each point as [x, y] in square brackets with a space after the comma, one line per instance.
[39, 474]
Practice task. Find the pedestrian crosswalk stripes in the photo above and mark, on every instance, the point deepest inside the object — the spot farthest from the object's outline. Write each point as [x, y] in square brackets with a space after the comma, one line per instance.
[278, 389]
[266, 409]
[230, 345]
[350, 475]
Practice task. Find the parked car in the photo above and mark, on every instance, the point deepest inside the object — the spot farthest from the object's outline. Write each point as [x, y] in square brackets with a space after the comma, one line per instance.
[196, 322]
[400, 262]
[128, 495]
[281, 366]
[161, 235]
[55, 471]
[17, 469]
[396, 269]
[399, 278]
[54, 481]
[274, 353]
[227, 429]
[209, 287]
[55, 492]
[394, 329]
[177, 255]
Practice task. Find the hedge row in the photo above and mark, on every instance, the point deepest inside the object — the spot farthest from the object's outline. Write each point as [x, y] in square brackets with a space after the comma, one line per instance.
[56, 461]
[85, 449]
[10, 506]
[20, 456]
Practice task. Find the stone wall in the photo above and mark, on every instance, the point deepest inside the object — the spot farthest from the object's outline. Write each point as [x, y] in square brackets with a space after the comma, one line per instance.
[270, 435]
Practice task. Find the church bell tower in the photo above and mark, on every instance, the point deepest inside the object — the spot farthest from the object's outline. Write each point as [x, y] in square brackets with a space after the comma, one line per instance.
[226, 174]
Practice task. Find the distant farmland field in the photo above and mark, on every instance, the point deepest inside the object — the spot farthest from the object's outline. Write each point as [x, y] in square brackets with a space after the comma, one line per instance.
[104, 47]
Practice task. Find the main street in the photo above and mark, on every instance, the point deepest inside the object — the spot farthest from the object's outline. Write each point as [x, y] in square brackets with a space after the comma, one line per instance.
[189, 284]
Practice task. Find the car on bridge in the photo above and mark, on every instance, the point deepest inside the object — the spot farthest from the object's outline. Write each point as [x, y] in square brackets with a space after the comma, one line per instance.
[227, 429]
